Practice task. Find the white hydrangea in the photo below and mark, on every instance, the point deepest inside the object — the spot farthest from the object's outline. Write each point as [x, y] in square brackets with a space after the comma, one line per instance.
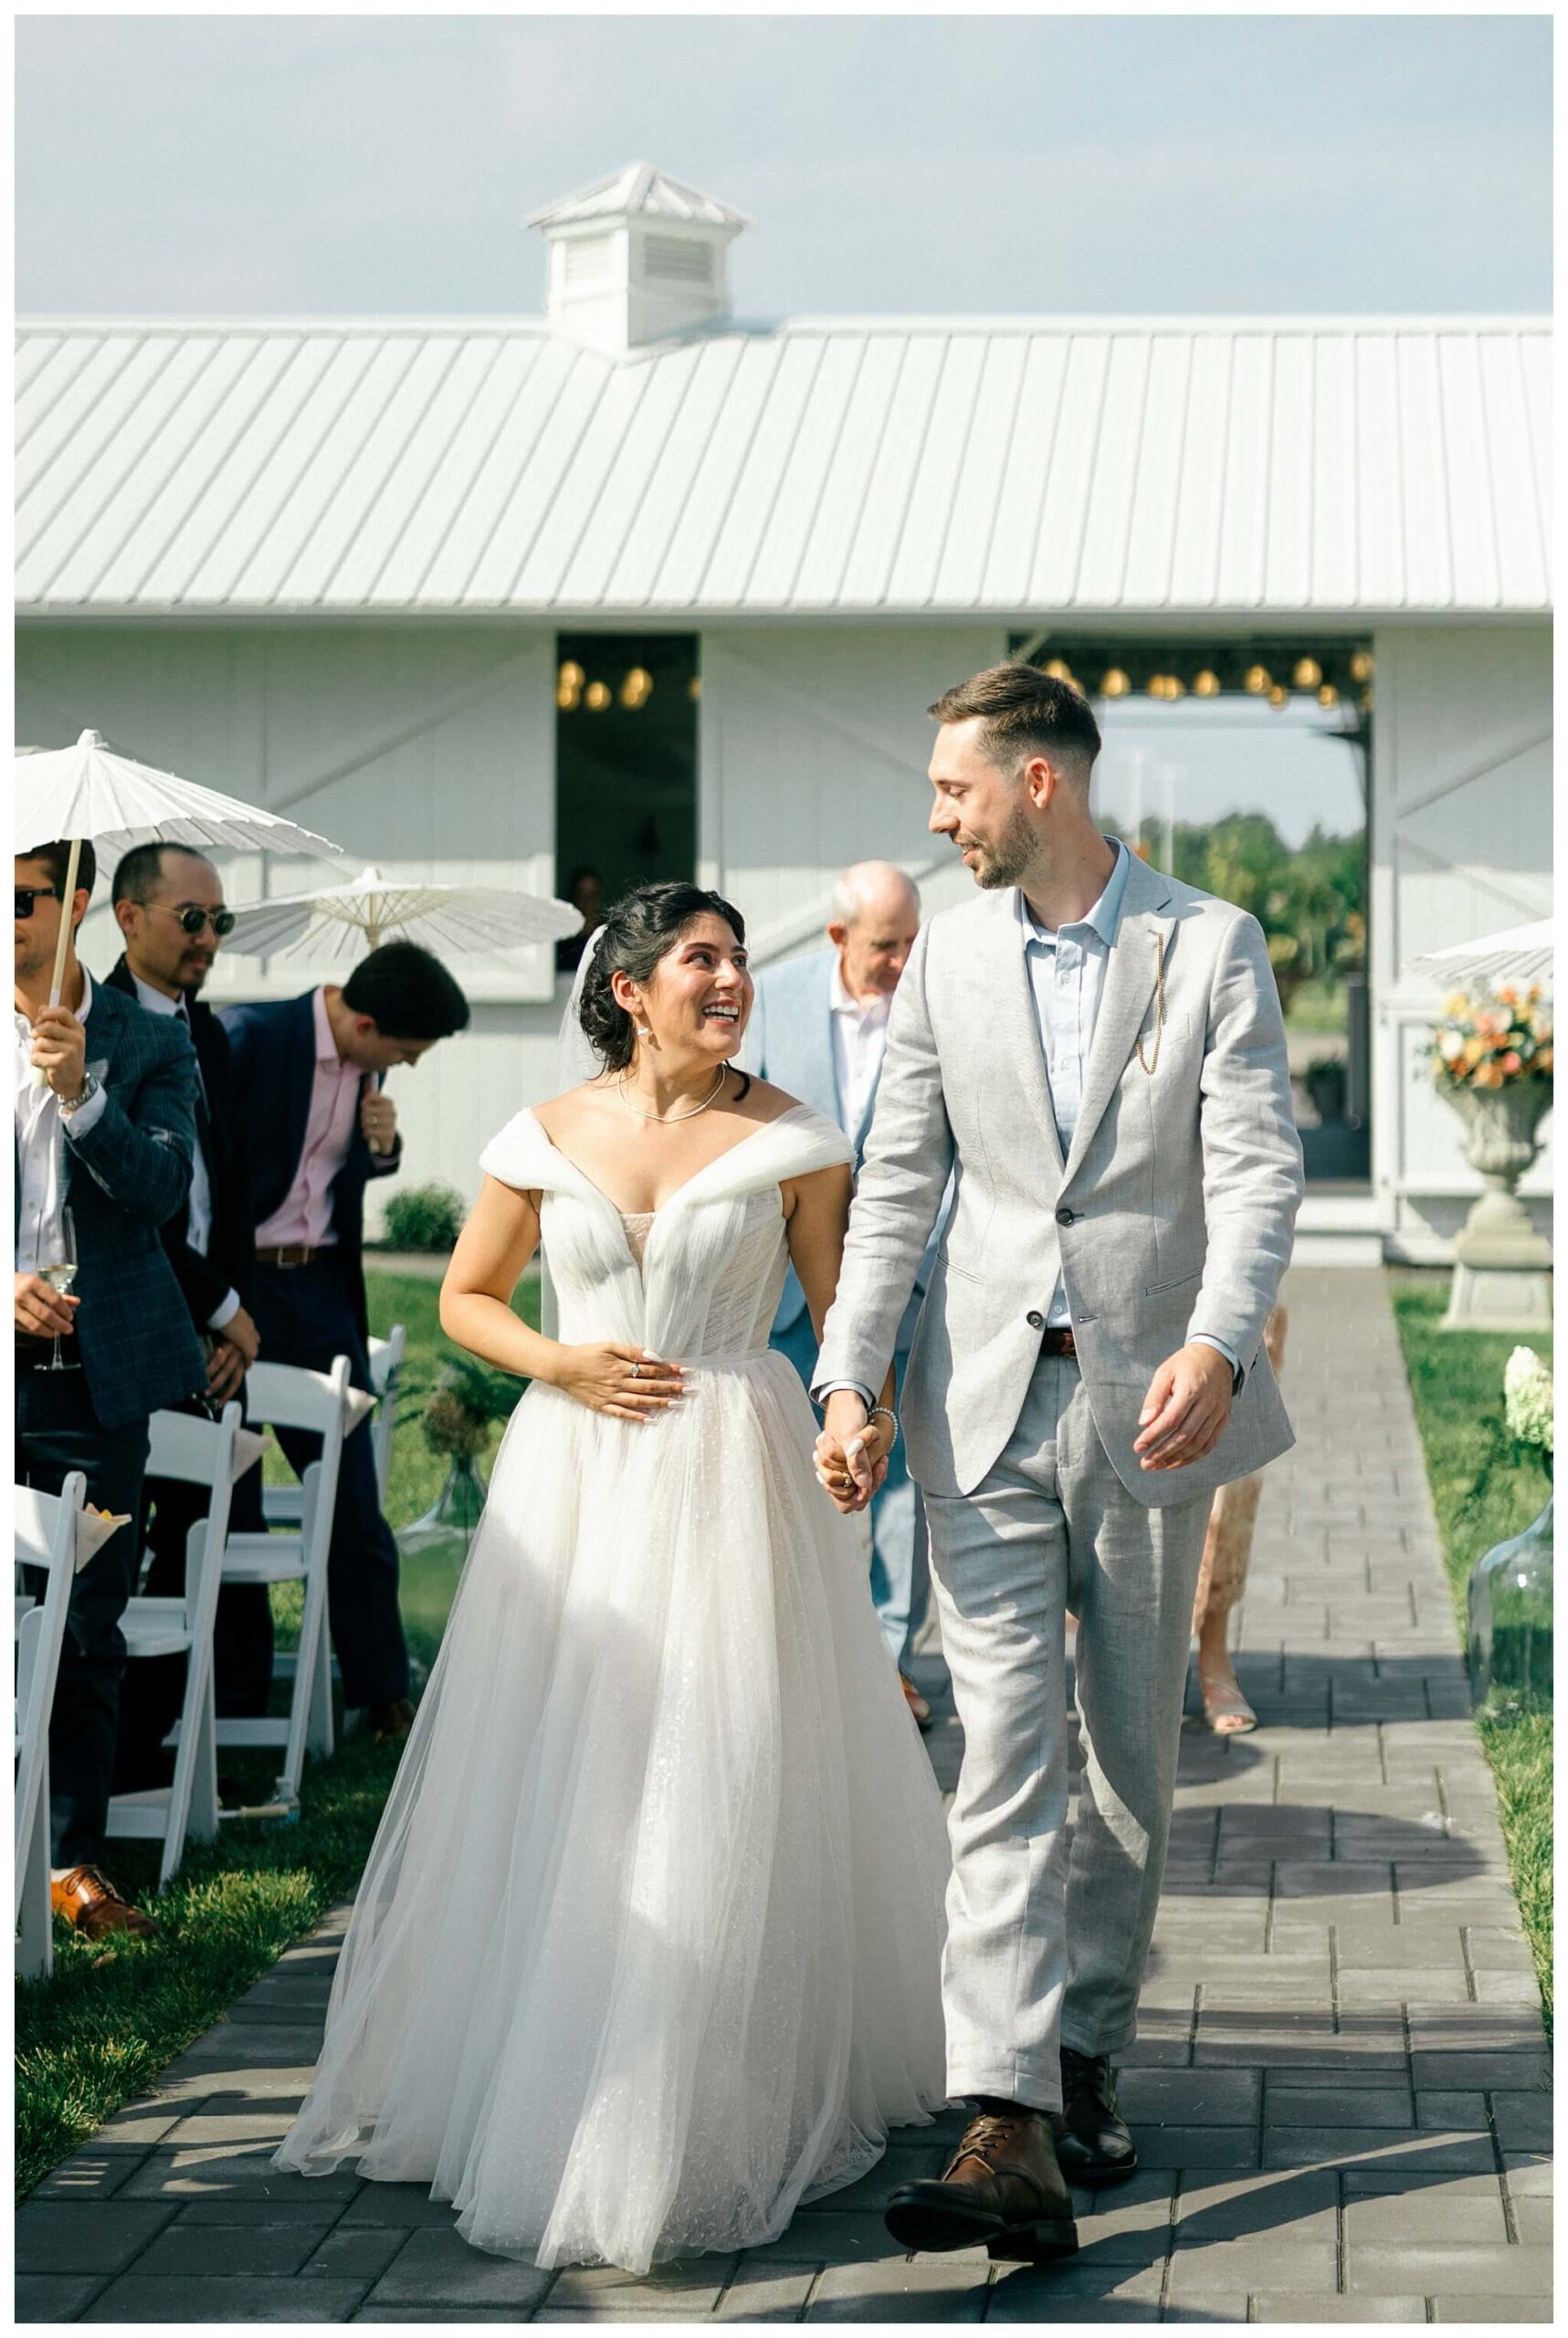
[1527, 1391]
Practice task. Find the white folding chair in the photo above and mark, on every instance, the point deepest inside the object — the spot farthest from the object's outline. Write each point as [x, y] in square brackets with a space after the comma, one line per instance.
[386, 1373]
[46, 1538]
[285, 1395]
[198, 1453]
[281, 1504]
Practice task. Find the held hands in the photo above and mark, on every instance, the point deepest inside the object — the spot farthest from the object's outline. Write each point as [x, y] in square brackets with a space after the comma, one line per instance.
[1187, 1406]
[378, 1120]
[43, 1313]
[851, 1453]
[624, 1382]
[60, 1049]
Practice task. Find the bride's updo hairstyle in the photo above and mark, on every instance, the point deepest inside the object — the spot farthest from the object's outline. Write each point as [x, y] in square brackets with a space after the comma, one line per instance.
[640, 929]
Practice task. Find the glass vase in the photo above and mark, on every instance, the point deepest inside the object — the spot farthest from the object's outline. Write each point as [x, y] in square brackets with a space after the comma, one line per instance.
[1510, 1603]
[431, 1552]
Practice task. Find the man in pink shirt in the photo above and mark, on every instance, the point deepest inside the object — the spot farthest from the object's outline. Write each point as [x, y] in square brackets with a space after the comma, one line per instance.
[308, 1075]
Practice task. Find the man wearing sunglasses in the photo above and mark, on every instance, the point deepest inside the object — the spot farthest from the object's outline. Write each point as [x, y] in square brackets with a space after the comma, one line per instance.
[168, 904]
[103, 1152]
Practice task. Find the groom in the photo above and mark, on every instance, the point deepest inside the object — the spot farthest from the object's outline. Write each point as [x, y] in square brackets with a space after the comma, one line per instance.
[1097, 1053]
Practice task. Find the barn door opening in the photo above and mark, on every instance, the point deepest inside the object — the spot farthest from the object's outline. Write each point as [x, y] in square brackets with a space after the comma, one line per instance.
[1238, 764]
[626, 763]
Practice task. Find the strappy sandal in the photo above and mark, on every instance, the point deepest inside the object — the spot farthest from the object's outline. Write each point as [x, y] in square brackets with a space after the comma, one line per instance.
[1225, 1709]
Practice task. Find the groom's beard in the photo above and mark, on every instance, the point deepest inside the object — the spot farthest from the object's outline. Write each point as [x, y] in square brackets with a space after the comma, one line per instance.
[1004, 862]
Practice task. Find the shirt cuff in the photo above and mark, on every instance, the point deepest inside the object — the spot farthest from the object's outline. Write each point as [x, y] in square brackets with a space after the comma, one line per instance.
[88, 1115]
[1207, 1339]
[224, 1312]
[820, 1396]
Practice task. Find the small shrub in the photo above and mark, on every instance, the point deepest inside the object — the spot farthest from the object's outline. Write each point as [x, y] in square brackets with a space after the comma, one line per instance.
[425, 1217]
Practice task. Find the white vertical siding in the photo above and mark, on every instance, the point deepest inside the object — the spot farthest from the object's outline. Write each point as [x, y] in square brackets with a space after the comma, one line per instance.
[814, 742]
[429, 752]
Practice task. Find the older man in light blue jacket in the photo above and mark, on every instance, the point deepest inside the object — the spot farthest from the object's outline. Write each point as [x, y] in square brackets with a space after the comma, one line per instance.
[818, 1030]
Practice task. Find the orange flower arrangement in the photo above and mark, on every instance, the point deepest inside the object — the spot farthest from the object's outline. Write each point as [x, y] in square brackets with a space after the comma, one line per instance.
[1494, 1039]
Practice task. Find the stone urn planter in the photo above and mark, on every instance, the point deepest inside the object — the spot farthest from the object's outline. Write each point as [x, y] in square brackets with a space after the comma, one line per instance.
[1500, 1138]
[1502, 1267]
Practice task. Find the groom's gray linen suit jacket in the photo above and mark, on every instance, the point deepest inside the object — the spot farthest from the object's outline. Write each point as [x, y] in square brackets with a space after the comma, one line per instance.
[1173, 1213]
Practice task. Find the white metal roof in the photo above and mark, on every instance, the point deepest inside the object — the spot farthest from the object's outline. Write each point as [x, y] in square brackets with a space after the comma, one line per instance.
[1161, 466]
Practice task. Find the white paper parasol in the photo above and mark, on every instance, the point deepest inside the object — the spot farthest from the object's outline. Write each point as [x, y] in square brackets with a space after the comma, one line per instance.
[1521, 955]
[454, 920]
[89, 794]
[88, 791]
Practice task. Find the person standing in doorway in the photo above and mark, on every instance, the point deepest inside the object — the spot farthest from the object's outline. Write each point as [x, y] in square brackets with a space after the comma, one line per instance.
[168, 904]
[315, 1128]
[586, 891]
[103, 1158]
[818, 1028]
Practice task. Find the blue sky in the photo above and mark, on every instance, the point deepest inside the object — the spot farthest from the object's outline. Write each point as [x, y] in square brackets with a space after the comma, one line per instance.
[891, 164]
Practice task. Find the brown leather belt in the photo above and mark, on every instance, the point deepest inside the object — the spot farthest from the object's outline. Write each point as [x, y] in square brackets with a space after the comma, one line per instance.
[1058, 1340]
[293, 1254]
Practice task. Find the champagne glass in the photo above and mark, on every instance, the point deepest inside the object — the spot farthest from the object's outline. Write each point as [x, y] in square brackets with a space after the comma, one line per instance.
[61, 1274]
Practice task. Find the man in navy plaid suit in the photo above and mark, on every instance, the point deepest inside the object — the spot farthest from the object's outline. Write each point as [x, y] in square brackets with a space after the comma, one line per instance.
[109, 1141]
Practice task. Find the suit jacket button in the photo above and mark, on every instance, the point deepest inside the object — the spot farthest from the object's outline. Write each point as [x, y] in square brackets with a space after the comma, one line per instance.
[1035, 1319]
[1066, 1217]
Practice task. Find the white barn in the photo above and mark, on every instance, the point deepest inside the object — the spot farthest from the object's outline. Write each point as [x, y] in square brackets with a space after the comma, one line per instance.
[363, 570]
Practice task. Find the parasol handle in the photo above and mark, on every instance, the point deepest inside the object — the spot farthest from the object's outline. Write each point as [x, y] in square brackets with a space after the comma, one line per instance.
[41, 1077]
[373, 935]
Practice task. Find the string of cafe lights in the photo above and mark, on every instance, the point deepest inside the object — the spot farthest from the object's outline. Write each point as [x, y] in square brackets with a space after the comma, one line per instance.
[1305, 677]
[574, 689]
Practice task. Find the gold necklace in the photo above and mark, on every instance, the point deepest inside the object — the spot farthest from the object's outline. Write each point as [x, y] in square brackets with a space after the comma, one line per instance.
[668, 1119]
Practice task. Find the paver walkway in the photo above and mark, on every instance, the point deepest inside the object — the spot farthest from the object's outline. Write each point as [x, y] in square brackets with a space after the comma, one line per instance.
[1338, 2087]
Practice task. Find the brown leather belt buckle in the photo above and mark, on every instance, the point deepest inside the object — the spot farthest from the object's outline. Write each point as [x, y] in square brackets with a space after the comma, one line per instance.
[287, 1254]
[1058, 1340]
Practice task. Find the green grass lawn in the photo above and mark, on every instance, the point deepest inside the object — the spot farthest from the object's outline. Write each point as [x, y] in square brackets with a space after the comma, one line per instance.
[100, 2029]
[108, 2020]
[1455, 1379]
[1318, 1006]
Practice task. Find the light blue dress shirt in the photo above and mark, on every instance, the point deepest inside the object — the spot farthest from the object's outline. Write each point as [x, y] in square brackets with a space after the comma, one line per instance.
[1066, 968]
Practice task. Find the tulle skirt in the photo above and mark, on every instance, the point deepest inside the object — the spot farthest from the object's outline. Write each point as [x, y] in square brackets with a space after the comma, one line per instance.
[647, 1949]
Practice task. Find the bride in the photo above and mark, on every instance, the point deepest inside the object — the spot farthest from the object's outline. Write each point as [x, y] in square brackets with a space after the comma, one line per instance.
[647, 1947]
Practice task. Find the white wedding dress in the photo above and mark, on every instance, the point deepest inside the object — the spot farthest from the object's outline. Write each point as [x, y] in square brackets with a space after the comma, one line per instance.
[647, 1947]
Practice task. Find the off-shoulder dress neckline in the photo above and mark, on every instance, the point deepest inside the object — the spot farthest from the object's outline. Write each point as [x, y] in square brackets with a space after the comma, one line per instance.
[696, 1175]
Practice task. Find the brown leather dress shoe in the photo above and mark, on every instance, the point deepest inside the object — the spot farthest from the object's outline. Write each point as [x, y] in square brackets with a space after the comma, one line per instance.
[1002, 2186]
[91, 1906]
[915, 1701]
[390, 1725]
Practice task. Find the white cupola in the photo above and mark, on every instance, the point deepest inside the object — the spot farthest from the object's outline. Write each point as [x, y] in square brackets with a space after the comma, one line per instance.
[638, 258]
